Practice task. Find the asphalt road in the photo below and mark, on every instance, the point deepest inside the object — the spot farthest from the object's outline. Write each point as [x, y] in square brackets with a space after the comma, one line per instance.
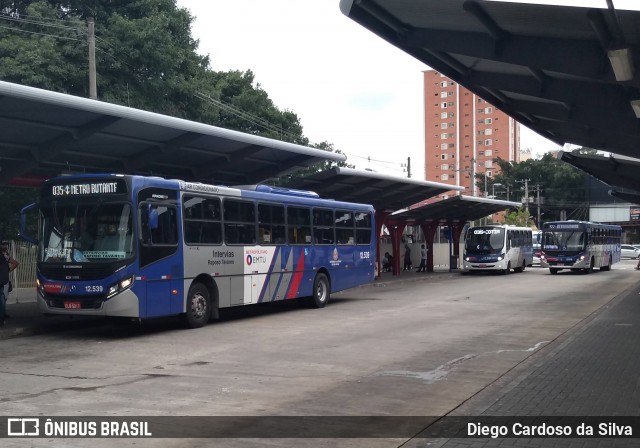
[406, 348]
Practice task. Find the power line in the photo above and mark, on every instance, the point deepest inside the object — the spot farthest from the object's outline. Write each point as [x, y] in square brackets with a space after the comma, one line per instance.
[41, 34]
[39, 22]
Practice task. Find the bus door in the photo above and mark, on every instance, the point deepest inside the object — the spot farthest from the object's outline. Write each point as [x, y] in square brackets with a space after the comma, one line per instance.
[160, 266]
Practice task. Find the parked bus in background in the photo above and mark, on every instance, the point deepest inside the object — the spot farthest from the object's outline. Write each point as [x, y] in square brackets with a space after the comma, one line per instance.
[497, 248]
[580, 245]
[537, 246]
[143, 247]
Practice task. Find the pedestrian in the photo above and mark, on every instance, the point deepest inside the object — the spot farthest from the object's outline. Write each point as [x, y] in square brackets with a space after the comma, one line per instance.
[638, 265]
[8, 264]
[423, 259]
[407, 258]
[4, 279]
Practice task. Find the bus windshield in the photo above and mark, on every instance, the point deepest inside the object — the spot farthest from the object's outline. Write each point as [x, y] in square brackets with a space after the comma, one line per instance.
[564, 240]
[484, 240]
[86, 233]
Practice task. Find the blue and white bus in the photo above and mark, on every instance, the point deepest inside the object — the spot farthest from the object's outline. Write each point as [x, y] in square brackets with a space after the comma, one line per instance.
[143, 247]
[497, 248]
[580, 246]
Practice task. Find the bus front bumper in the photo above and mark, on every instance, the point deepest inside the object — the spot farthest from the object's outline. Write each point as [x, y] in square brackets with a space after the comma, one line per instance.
[578, 264]
[484, 266]
[125, 304]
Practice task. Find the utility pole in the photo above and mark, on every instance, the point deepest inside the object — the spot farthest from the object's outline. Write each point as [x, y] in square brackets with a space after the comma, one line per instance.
[538, 204]
[407, 166]
[93, 91]
[526, 196]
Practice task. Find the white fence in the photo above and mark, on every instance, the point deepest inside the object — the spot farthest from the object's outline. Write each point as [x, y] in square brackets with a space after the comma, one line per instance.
[25, 254]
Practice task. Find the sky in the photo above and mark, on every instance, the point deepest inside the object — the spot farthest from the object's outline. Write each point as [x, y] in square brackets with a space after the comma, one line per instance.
[346, 85]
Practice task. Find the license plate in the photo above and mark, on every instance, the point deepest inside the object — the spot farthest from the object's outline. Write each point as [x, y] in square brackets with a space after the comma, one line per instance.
[482, 265]
[560, 264]
[72, 305]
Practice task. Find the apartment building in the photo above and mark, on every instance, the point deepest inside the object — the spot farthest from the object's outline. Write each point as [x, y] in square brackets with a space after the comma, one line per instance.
[464, 134]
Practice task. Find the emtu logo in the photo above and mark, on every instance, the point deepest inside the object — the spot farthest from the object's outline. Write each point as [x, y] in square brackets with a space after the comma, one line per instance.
[249, 260]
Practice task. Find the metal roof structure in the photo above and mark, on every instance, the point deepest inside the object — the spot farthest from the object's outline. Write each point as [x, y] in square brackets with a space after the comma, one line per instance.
[456, 208]
[549, 67]
[619, 172]
[385, 193]
[47, 133]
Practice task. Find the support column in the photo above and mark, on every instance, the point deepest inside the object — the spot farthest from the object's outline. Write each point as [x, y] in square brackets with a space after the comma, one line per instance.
[380, 217]
[395, 230]
[455, 229]
[429, 230]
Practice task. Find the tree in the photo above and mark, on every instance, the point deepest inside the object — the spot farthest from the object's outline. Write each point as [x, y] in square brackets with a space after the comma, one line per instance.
[322, 166]
[146, 58]
[518, 217]
[562, 186]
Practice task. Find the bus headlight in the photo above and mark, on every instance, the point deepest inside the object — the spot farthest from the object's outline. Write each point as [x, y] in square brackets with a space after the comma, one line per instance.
[120, 286]
[501, 257]
[581, 257]
[40, 287]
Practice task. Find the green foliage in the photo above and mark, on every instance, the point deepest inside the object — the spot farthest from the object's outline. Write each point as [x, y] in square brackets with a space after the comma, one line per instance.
[561, 185]
[146, 58]
[518, 217]
[13, 199]
[323, 166]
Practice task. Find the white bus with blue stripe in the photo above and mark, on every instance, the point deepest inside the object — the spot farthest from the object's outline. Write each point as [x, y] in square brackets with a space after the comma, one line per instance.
[499, 248]
[143, 247]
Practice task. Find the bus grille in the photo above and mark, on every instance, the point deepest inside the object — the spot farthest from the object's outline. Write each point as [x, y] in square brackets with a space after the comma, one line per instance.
[58, 271]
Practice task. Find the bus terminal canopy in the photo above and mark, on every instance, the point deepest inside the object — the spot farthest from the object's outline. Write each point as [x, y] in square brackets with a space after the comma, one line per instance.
[385, 193]
[549, 67]
[618, 172]
[46, 133]
[456, 209]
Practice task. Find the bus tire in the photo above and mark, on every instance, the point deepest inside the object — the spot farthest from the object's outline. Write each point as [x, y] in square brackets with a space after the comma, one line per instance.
[507, 271]
[553, 271]
[589, 270]
[608, 266]
[198, 306]
[321, 291]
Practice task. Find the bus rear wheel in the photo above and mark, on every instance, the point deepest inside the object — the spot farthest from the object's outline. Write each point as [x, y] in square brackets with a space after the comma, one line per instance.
[321, 291]
[608, 266]
[198, 306]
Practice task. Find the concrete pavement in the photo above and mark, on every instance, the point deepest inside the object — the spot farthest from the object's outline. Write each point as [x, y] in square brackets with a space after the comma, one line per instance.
[26, 320]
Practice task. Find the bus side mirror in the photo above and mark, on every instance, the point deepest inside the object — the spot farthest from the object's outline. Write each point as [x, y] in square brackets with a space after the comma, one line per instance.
[23, 224]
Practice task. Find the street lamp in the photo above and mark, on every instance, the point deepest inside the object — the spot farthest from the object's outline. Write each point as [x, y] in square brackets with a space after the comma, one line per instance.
[493, 189]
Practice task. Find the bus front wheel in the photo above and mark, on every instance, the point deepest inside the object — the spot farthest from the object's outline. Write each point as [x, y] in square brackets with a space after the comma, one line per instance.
[198, 306]
[589, 270]
[321, 291]
[507, 271]
[553, 271]
[608, 266]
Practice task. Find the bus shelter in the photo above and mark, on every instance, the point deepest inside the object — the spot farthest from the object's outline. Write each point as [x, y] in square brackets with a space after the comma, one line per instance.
[454, 212]
[392, 198]
[569, 73]
[45, 134]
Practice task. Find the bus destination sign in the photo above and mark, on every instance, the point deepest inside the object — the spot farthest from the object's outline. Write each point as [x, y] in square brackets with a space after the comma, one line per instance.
[88, 189]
